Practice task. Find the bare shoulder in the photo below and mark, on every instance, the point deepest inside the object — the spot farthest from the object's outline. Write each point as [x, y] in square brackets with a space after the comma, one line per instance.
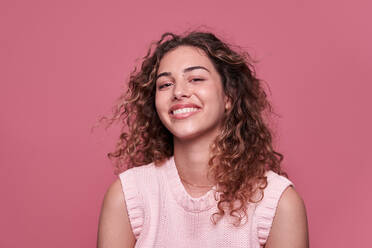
[291, 202]
[114, 228]
[289, 227]
[114, 195]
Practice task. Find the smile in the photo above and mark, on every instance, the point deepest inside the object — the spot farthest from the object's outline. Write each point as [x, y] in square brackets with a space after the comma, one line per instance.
[184, 110]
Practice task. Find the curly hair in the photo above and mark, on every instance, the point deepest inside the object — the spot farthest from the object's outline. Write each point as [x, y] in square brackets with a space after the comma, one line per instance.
[241, 153]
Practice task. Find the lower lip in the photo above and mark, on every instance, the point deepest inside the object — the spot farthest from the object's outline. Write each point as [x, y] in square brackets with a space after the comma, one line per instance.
[183, 115]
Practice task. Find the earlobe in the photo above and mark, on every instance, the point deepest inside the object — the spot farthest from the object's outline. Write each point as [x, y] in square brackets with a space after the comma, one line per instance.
[227, 103]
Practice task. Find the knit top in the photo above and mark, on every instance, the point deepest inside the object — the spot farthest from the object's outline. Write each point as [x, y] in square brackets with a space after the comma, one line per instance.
[163, 214]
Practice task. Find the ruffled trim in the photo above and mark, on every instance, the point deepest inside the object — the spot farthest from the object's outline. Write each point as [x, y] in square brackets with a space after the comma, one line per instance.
[266, 209]
[133, 201]
[181, 196]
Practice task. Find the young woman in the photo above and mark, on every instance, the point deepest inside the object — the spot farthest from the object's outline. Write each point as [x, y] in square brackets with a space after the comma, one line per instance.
[203, 171]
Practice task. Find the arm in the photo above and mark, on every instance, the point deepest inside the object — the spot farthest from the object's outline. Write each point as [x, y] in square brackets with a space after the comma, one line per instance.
[114, 228]
[289, 228]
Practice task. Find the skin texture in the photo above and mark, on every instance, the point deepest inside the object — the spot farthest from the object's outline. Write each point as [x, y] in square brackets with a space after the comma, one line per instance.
[289, 228]
[201, 87]
[114, 228]
[192, 137]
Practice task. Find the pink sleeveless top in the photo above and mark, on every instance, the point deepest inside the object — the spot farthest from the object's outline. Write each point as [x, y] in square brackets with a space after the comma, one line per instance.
[163, 214]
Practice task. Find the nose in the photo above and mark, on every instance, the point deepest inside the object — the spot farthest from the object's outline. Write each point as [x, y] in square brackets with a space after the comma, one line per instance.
[180, 90]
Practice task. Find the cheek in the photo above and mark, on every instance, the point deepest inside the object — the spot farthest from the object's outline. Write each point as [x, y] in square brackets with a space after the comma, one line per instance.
[160, 106]
[213, 96]
[158, 102]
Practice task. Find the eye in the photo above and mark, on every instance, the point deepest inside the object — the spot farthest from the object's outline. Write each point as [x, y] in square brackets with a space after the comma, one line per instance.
[197, 79]
[164, 85]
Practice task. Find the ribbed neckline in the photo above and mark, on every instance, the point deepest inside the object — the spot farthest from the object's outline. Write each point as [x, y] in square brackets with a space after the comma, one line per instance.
[180, 194]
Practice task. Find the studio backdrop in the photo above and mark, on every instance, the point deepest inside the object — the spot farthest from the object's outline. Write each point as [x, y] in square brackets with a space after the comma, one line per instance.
[64, 64]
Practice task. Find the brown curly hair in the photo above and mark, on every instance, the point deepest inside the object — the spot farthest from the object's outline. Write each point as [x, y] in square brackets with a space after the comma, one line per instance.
[242, 152]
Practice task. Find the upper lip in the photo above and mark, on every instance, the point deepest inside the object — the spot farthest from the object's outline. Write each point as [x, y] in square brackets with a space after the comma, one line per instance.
[184, 105]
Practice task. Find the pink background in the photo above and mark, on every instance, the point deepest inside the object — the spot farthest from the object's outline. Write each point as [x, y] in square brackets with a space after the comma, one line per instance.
[63, 64]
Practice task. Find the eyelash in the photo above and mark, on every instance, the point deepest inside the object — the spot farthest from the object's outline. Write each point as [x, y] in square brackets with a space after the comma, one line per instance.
[164, 85]
[197, 79]
[168, 84]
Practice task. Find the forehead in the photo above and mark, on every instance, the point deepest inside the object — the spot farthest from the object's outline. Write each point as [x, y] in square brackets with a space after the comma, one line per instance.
[182, 57]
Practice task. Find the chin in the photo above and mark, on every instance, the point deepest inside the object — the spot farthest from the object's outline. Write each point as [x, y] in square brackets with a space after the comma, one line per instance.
[186, 134]
[195, 134]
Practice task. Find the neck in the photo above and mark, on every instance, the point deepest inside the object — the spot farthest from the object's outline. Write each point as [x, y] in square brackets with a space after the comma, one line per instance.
[191, 158]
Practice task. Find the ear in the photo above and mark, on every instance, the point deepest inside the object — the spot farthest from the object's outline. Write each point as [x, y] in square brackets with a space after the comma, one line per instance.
[227, 103]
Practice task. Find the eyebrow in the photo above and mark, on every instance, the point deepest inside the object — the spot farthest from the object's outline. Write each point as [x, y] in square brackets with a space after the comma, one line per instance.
[188, 69]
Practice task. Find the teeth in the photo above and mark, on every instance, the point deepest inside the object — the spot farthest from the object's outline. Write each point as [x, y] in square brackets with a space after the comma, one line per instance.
[184, 110]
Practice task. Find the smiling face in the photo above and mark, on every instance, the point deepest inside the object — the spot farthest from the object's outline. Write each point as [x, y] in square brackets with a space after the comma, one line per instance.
[189, 96]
